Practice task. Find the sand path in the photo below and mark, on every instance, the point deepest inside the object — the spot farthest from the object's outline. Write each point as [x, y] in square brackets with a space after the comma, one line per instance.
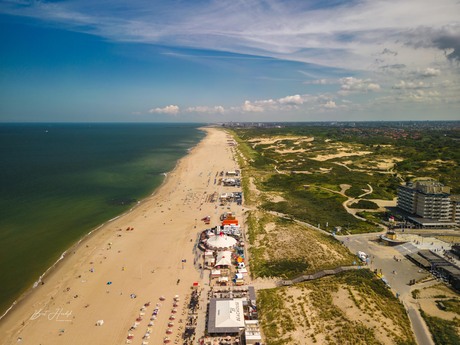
[146, 261]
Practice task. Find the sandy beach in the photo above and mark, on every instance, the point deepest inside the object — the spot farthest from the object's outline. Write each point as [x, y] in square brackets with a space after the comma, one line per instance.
[135, 259]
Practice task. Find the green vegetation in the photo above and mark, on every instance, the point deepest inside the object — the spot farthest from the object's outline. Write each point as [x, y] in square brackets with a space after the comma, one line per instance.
[374, 217]
[365, 204]
[315, 206]
[283, 248]
[307, 164]
[255, 227]
[274, 327]
[452, 305]
[422, 152]
[444, 332]
[282, 268]
[307, 173]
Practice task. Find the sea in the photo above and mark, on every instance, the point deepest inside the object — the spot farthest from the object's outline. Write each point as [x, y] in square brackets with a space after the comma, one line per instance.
[58, 182]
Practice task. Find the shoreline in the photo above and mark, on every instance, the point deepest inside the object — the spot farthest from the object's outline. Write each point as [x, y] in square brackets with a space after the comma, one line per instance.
[133, 259]
[86, 237]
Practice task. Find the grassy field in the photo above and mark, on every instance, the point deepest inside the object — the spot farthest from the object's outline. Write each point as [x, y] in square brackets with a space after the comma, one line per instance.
[310, 189]
[444, 332]
[308, 174]
[283, 248]
[416, 152]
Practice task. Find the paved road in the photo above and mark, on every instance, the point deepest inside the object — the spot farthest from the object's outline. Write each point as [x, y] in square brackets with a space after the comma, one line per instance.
[419, 327]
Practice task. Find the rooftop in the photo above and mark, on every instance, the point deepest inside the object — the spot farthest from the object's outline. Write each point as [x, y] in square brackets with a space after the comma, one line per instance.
[225, 315]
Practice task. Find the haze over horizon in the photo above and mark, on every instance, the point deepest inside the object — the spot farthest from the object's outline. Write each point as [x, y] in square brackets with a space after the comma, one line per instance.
[220, 61]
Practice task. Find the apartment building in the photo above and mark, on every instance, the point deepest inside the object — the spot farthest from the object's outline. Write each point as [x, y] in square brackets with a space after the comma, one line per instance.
[430, 203]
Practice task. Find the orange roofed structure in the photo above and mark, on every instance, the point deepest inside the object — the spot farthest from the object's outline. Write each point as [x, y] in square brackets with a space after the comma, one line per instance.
[229, 222]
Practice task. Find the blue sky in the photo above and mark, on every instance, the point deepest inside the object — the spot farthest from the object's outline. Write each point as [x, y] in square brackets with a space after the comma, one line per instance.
[215, 61]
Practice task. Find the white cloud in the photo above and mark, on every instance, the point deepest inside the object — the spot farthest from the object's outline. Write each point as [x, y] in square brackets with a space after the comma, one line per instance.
[409, 85]
[431, 72]
[319, 82]
[295, 99]
[422, 96]
[330, 105]
[382, 39]
[284, 103]
[252, 107]
[338, 35]
[351, 84]
[290, 103]
[207, 110]
[169, 109]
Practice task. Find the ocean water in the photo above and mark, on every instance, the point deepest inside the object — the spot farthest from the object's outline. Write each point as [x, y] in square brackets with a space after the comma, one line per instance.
[60, 181]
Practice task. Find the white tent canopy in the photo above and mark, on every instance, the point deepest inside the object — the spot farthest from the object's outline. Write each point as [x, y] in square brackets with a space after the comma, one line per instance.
[224, 258]
[221, 242]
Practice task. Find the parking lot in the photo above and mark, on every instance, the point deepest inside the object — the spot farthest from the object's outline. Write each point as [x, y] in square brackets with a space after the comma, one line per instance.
[386, 260]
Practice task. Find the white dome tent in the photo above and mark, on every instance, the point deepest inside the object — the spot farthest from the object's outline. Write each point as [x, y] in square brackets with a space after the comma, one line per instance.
[221, 242]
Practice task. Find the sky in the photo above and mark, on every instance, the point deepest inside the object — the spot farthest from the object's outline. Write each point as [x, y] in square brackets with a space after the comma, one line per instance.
[222, 61]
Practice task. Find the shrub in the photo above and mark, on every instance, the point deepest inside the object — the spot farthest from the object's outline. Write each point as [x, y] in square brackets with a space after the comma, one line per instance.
[365, 204]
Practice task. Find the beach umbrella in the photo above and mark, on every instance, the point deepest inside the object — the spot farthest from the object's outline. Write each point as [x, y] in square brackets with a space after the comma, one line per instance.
[109, 283]
[130, 337]
[162, 298]
[174, 311]
[147, 304]
[166, 340]
[170, 324]
[172, 317]
[139, 319]
[169, 331]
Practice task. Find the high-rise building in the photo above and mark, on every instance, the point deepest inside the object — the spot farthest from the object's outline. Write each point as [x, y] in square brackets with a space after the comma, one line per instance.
[431, 201]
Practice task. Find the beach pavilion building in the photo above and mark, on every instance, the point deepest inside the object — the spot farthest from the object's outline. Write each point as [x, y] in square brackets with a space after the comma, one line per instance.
[226, 316]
